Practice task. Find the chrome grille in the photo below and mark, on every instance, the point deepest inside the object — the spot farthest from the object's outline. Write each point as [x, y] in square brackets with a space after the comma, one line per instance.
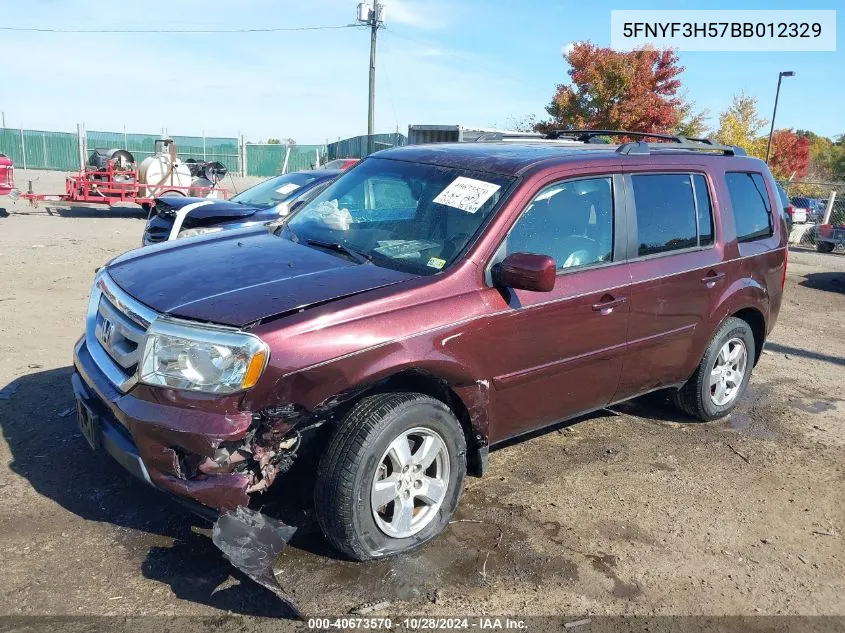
[115, 328]
[119, 335]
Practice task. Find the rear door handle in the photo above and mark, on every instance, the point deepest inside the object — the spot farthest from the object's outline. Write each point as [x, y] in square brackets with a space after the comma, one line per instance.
[607, 303]
[712, 279]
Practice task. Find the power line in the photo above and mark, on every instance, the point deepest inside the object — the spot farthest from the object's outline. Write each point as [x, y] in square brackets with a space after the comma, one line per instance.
[252, 30]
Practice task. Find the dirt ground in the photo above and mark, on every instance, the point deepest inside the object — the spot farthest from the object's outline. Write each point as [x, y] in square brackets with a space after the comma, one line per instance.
[632, 511]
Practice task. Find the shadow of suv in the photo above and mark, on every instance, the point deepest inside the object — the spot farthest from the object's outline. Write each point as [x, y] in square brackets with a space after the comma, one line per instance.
[430, 303]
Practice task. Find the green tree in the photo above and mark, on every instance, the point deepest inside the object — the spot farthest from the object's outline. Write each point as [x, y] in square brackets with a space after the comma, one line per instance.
[741, 125]
[691, 123]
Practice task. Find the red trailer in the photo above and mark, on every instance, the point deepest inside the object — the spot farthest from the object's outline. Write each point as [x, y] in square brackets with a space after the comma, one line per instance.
[112, 177]
[115, 187]
[7, 175]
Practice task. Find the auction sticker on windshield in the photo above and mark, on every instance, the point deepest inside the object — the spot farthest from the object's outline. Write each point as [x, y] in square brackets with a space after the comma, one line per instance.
[287, 188]
[466, 194]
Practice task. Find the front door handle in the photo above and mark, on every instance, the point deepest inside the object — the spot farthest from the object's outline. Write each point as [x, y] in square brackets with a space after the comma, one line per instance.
[712, 278]
[607, 303]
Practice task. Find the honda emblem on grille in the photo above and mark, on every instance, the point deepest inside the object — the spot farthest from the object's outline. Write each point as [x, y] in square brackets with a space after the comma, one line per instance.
[107, 332]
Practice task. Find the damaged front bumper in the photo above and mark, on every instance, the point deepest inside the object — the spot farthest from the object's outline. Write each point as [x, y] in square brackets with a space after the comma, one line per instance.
[174, 448]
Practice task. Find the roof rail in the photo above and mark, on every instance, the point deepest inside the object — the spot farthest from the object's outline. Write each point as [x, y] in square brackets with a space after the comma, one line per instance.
[641, 148]
[587, 135]
[502, 136]
[674, 141]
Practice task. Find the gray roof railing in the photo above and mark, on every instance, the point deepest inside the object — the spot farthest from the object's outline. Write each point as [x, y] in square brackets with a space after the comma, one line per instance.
[669, 142]
[640, 147]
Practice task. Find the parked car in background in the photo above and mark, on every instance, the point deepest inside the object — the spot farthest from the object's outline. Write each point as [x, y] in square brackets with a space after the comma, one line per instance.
[801, 209]
[177, 217]
[787, 208]
[428, 304]
[819, 207]
[7, 175]
[341, 163]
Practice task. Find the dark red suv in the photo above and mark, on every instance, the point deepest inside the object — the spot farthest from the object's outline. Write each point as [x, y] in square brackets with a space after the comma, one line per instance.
[433, 301]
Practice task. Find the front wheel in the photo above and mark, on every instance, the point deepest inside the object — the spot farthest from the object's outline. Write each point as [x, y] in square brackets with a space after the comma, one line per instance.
[825, 247]
[722, 375]
[391, 476]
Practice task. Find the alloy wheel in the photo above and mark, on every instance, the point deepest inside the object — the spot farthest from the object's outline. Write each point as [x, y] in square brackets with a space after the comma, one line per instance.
[410, 482]
[728, 372]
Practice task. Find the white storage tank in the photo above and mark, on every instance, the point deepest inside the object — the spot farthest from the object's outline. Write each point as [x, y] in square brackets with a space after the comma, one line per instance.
[163, 171]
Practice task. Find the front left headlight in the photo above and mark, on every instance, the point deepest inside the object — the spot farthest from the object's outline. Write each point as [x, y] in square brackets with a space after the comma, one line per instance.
[201, 231]
[202, 358]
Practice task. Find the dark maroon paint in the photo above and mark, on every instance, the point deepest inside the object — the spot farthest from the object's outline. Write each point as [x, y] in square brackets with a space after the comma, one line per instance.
[526, 271]
[510, 360]
[240, 277]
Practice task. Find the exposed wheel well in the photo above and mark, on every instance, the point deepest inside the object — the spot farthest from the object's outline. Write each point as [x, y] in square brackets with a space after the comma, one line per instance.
[417, 381]
[757, 322]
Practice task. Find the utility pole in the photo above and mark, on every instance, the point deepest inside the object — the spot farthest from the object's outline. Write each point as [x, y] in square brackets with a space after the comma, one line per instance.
[374, 18]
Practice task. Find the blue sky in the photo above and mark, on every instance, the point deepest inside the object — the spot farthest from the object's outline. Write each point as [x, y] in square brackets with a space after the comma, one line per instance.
[471, 62]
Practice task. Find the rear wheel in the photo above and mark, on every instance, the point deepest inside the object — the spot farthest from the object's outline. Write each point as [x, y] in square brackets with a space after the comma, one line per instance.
[391, 476]
[722, 375]
[825, 247]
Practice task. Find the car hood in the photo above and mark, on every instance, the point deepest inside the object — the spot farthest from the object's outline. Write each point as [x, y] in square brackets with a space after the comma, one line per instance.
[241, 276]
[209, 209]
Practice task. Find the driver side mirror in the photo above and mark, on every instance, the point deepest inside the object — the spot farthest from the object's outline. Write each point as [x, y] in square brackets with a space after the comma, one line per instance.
[526, 271]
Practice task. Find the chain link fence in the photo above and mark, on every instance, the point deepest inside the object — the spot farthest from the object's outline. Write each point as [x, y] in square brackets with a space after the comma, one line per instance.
[824, 203]
[67, 151]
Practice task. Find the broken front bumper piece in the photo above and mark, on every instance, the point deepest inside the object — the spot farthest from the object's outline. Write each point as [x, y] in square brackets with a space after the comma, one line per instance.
[213, 459]
[252, 541]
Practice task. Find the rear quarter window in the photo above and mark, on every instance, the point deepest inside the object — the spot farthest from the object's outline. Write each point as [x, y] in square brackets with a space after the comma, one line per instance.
[751, 206]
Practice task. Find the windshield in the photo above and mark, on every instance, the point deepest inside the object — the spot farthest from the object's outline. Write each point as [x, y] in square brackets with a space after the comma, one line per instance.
[275, 190]
[401, 215]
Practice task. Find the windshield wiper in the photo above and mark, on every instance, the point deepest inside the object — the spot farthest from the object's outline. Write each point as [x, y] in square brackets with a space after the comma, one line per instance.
[338, 247]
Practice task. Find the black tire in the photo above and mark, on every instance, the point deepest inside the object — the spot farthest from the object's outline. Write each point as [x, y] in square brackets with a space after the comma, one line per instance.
[348, 466]
[825, 247]
[694, 397]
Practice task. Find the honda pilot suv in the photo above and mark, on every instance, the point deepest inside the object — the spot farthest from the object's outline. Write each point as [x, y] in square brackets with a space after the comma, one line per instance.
[430, 303]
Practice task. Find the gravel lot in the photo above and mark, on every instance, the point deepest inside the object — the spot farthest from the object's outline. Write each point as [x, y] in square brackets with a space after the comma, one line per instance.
[634, 511]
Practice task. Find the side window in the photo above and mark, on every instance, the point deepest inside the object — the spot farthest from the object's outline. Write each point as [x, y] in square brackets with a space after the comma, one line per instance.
[571, 221]
[704, 209]
[750, 202]
[666, 215]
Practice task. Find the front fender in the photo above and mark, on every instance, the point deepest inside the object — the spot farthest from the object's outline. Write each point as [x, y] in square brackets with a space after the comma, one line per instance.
[441, 357]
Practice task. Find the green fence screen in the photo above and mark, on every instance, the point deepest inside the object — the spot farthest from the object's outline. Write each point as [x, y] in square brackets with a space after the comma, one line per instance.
[357, 146]
[269, 160]
[39, 149]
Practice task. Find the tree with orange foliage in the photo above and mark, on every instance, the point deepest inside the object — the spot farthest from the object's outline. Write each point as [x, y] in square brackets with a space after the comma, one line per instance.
[636, 90]
[790, 157]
